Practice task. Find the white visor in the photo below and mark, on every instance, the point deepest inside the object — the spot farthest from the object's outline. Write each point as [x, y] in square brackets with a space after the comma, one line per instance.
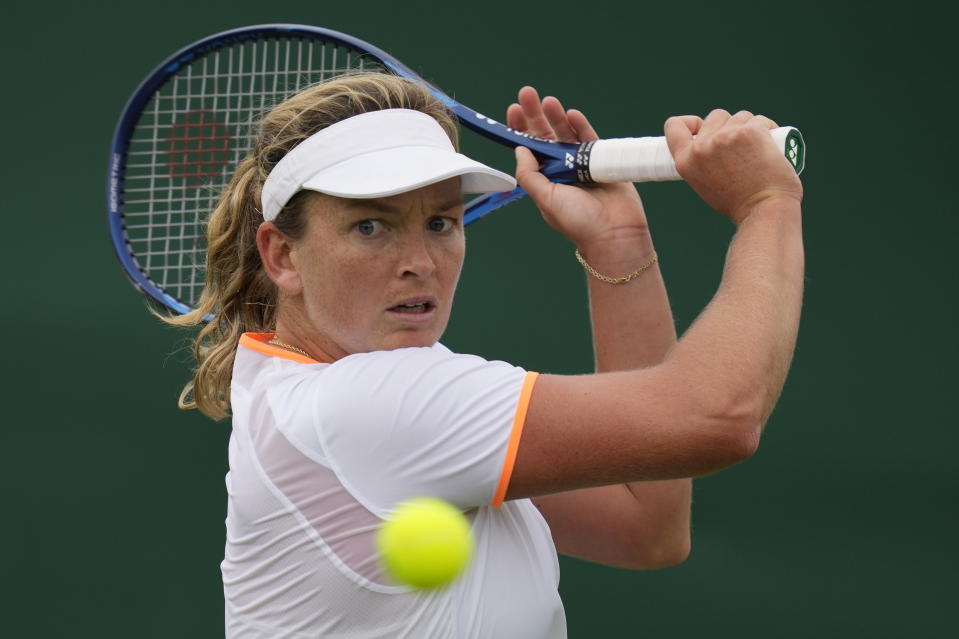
[376, 154]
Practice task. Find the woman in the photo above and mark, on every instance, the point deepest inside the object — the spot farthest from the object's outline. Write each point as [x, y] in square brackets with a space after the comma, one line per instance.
[334, 255]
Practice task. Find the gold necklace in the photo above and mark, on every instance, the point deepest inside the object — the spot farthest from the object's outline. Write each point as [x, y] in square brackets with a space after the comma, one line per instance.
[290, 347]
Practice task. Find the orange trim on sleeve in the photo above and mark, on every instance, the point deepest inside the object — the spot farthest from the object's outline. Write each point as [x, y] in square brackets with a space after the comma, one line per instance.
[518, 422]
[258, 342]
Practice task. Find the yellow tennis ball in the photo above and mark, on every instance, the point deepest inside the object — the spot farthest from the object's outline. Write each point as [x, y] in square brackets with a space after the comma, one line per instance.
[426, 543]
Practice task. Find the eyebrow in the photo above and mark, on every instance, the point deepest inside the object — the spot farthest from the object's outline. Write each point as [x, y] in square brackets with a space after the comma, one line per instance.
[358, 204]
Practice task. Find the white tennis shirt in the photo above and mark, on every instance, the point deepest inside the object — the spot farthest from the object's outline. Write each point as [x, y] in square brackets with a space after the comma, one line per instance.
[321, 453]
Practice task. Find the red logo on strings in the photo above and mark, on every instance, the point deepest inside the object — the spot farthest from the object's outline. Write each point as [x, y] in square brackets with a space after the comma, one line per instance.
[199, 147]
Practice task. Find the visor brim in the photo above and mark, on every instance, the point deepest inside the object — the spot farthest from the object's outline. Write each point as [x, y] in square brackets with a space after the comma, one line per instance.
[388, 172]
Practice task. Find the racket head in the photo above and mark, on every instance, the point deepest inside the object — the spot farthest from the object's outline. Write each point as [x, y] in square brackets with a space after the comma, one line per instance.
[185, 129]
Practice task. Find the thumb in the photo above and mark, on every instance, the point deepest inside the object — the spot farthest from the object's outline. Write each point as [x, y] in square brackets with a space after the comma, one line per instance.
[528, 176]
[679, 132]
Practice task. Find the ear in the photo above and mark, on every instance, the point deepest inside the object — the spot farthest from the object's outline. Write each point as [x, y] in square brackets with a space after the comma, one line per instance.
[275, 253]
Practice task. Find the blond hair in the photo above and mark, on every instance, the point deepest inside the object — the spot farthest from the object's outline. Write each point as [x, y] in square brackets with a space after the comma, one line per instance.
[238, 294]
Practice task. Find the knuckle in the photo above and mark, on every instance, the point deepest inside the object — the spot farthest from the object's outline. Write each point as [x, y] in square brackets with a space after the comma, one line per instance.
[726, 136]
[766, 122]
[754, 132]
[673, 122]
[701, 147]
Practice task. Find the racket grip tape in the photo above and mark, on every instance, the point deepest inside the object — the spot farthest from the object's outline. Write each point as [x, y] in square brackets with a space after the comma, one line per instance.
[649, 160]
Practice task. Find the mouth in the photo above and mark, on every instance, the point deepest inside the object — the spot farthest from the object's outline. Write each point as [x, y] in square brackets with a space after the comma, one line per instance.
[416, 306]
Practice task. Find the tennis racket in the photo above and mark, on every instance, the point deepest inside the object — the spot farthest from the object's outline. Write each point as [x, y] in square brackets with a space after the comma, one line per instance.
[191, 121]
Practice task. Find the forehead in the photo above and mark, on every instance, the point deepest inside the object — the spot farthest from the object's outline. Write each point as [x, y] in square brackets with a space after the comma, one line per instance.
[433, 198]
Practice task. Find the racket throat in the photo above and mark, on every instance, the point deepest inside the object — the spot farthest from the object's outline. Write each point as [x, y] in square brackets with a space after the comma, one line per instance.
[582, 162]
[567, 163]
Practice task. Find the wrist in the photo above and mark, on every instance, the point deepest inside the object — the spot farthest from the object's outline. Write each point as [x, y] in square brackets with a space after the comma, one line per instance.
[623, 245]
[619, 258]
[617, 279]
[779, 220]
[778, 205]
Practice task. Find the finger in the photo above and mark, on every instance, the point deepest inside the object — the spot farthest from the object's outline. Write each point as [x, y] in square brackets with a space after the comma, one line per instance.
[741, 117]
[515, 118]
[556, 115]
[536, 120]
[762, 124]
[680, 130]
[584, 130]
[713, 121]
[529, 177]
[693, 123]
[765, 122]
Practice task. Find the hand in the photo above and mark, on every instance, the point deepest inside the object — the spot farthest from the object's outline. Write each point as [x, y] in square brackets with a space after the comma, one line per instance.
[731, 161]
[586, 215]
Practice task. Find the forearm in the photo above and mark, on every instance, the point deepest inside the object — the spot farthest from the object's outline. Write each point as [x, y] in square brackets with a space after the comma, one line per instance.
[740, 348]
[633, 328]
[632, 323]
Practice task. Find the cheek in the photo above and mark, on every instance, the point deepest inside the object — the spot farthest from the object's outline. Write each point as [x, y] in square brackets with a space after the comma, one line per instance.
[321, 281]
[453, 256]
[332, 288]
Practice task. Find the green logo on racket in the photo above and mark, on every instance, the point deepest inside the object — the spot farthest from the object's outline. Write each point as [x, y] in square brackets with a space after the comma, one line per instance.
[796, 150]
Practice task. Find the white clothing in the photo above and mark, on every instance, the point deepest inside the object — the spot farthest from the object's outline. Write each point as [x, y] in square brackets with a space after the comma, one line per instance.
[321, 453]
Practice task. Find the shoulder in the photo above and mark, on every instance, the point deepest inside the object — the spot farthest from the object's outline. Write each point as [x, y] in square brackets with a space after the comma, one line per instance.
[368, 374]
[406, 367]
[413, 389]
[436, 359]
[380, 380]
[411, 356]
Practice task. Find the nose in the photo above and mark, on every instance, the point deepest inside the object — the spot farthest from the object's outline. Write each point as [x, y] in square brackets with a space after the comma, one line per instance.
[416, 261]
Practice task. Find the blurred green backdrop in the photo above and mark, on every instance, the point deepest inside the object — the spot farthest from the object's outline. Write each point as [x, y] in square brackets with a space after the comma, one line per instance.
[843, 525]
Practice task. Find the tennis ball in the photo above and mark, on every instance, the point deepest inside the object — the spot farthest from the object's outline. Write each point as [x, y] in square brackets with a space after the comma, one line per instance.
[426, 543]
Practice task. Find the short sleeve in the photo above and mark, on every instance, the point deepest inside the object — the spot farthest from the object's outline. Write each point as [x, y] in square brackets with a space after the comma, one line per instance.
[421, 422]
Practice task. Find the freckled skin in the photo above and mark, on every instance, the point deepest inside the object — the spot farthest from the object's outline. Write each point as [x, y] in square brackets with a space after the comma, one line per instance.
[360, 258]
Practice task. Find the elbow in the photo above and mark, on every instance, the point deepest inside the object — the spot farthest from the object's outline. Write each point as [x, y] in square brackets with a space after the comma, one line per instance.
[733, 431]
[665, 555]
[722, 418]
[746, 428]
[741, 413]
[743, 437]
[673, 555]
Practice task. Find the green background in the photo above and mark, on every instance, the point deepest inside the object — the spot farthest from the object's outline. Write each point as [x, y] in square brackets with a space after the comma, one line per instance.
[844, 524]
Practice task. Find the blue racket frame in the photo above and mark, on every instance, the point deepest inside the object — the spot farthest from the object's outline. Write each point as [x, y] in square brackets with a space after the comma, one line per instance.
[558, 159]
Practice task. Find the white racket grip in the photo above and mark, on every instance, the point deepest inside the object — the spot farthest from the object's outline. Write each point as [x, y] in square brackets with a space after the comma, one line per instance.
[649, 160]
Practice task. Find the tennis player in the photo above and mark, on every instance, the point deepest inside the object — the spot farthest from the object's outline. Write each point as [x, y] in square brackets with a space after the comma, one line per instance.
[334, 256]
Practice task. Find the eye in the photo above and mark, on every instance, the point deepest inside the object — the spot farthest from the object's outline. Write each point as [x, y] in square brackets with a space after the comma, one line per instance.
[369, 227]
[440, 224]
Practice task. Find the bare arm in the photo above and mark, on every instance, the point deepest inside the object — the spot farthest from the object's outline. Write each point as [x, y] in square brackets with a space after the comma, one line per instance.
[644, 524]
[704, 406]
[640, 524]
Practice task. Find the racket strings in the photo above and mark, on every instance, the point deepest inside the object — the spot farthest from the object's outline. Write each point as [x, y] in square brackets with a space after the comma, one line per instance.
[192, 134]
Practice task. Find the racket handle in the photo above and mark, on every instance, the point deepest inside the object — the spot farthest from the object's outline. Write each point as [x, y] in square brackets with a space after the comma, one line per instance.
[649, 159]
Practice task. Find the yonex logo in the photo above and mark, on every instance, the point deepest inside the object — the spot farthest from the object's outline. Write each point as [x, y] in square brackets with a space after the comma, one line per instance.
[569, 161]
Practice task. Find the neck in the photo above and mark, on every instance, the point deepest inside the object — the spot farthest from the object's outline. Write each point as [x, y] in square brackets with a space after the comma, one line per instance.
[293, 329]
